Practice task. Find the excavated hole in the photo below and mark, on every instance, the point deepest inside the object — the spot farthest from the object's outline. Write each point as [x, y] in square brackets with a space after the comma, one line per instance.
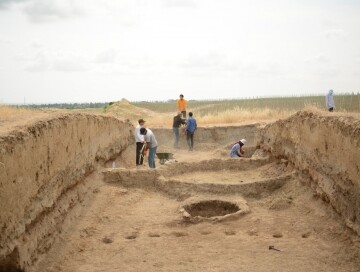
[211, 208]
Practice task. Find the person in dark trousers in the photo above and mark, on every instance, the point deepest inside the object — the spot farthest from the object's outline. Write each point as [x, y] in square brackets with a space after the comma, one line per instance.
[178, 121]
[191, 127]
[151, 145]
[140, 141]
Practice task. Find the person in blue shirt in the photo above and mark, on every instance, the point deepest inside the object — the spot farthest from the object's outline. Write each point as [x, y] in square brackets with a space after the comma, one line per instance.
[236, 150]
[191, 126]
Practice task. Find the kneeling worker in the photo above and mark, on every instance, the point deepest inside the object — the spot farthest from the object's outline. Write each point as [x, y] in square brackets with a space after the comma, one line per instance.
[237, 150]
[151, 145]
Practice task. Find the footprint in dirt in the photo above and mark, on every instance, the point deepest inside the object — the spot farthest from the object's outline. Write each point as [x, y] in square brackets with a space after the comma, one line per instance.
[230, 232]
[179, 234]
[107, 240]
[153, 235]
[277, 234]
[131, 236]
[205, 232]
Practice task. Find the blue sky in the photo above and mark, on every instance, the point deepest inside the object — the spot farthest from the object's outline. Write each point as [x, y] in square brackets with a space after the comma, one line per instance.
[105, 50]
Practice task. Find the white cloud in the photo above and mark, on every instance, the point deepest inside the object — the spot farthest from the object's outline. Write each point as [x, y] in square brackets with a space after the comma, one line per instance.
[317, 59]
[63, 62]
[107, 56]
[179, 3]
[209, 61]
[5, 4]
[335, 33]
[51, 10]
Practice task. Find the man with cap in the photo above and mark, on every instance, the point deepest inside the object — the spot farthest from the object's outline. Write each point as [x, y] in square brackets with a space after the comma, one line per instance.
[140, 141]
[151, 145]
[237, 150]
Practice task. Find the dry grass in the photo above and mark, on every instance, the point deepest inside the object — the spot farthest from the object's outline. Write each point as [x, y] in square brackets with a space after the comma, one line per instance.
[233, 116]
[8, 113]
[238, 115]
[320, 111]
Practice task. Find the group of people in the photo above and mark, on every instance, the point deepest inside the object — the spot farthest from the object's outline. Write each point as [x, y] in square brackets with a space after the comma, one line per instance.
[189, 124]
[146, 141]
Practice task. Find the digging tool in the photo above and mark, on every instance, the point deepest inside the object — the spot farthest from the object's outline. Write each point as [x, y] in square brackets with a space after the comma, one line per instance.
[273, 248]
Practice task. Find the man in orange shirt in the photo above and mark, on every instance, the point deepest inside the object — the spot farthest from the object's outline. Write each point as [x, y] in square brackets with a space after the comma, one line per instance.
[182, 105]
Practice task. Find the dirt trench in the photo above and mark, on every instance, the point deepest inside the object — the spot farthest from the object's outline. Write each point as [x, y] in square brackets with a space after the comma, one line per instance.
[326, 152]
[203, 211]
[43, 181]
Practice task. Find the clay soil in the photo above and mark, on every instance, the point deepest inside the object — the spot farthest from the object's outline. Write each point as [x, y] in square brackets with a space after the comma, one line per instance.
[132, 229]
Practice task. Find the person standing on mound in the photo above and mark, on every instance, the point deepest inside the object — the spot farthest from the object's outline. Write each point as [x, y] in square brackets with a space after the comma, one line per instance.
[330, 104]
[237, 150]
[182, 106]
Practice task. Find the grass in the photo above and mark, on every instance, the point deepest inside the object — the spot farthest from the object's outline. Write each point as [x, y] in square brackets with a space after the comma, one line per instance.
[344, 102]
[8, 113]
[236, 111]
[232, 116]
[209, 112]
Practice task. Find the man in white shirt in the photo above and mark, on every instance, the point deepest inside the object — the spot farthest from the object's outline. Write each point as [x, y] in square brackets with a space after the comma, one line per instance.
[151, 145]
[330, 104]
[140, 141]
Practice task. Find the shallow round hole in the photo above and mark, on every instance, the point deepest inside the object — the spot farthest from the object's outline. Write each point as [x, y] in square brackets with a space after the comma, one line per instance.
[211, 208]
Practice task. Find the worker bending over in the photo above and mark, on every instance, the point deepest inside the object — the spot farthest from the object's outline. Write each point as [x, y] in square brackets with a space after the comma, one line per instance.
[237, 149]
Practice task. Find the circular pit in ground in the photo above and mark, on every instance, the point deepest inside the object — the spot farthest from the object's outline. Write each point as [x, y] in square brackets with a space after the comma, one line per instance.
[211, 208]
[206, 209]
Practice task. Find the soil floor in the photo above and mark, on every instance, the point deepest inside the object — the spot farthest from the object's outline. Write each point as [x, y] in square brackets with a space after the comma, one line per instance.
[137, 230]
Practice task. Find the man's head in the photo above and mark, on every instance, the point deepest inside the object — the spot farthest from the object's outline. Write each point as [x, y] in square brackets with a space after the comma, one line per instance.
[243, 141]
[181, 96]
[331, 92]
[141, 122]
[190, 114]
[143, 131]
[179, 113]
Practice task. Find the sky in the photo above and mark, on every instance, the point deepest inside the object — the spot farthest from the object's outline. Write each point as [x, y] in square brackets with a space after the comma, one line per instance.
[54, 51]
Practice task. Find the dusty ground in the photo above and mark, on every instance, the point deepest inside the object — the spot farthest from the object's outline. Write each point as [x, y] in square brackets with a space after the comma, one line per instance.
[138, 230]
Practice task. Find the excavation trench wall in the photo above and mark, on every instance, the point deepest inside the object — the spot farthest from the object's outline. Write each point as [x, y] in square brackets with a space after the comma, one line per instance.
[207, 138]
[42, 178]
[326, 150]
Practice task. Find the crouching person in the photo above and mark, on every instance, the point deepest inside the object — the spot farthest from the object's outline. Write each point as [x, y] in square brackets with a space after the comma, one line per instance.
[151, 145]
[237, 149]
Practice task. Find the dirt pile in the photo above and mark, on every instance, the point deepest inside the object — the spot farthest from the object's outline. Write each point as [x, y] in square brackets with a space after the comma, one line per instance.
[124, 110]
[325, 150]
[42, 173]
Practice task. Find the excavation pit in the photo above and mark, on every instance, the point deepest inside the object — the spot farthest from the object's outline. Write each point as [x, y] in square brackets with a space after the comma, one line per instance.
[211, 208]
[197, 210]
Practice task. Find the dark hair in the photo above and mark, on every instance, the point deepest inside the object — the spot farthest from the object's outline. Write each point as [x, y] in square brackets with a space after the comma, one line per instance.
[190, 114]
[143, 131]
[141, 121]
[182, 95]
